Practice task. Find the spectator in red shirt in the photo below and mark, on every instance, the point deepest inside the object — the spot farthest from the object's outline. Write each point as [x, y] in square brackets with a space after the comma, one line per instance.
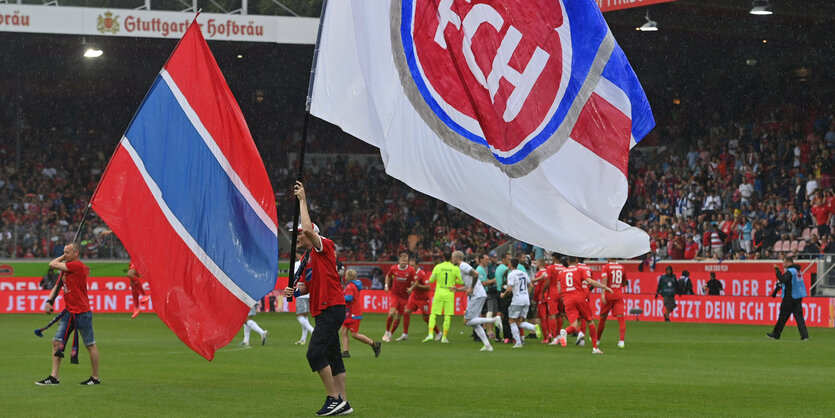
[74, 283]
[327, 305]
[677, 247]
[821, 212]
[691, 249]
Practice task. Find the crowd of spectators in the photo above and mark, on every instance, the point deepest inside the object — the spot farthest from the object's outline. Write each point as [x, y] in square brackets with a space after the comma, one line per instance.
[747, 189]
[740, 190]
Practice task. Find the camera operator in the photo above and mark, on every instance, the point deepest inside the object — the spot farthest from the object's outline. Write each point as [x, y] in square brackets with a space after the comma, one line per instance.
[794, 290]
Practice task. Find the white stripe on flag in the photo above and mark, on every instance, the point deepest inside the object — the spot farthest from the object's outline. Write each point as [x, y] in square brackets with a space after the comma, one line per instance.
[192, 244]
[210, 142]
[614, 95]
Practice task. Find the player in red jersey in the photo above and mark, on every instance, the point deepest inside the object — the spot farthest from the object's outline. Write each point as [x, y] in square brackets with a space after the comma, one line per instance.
[556, 308]
[398, 281]
[136, 289]
[576, 305]
[614, 276]
[540, 294]
[419, 299]
[353, 315]
[587, 272]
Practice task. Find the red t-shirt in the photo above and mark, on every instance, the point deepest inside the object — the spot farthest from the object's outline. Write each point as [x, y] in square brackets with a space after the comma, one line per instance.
[324, 287]
[538, 288]
[586, 273]
[354, 306]
[75, 287]
[691, 250]
[571, 279]
[403, 279]
[821, 213]
[615, 276]
[422, 279]
[554, 278]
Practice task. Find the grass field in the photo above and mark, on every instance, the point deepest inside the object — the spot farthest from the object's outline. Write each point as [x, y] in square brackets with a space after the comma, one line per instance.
[670, 369]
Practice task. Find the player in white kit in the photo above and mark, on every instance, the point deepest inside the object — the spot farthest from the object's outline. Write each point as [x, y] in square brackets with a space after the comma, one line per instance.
[518, 283]
[476, 297]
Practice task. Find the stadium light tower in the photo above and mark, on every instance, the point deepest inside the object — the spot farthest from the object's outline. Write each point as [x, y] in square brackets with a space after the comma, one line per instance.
[761, 8]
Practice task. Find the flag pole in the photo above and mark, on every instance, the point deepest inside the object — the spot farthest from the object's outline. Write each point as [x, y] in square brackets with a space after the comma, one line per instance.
[300, 173]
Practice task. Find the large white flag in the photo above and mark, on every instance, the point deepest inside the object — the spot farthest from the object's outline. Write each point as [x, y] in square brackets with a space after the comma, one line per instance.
[519, 112]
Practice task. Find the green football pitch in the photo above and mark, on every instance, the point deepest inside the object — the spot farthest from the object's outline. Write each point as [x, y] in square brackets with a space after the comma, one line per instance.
[666, 369]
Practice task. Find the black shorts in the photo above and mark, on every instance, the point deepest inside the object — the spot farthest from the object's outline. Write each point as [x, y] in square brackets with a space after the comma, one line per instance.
[324, 349]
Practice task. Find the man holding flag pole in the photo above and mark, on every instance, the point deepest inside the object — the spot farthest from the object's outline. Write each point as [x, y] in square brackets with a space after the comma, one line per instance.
[78, 317]
[327, 305]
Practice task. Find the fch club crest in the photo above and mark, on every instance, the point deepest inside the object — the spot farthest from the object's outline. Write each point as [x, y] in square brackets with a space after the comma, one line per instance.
[492, 78]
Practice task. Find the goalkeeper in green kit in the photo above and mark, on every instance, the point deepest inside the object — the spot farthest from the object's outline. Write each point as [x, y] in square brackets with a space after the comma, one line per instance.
[448, 278]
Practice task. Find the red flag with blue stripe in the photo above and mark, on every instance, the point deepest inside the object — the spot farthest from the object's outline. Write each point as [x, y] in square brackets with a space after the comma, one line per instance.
[188, 195]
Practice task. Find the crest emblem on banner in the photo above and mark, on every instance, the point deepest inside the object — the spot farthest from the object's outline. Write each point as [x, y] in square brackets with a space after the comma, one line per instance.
[490, 77]
[108, 23]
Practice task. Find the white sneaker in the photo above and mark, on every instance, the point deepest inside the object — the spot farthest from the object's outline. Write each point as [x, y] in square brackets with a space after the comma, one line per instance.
[497, 320]
[438, 336]
[518, 345]
[387, 337]
[403, 337]
[487, 348]
[563, 337]
[444, 341]
[300, 342]
[621, 344]
[264, 337]
[555, 341]
[581, 339]
[244, 343]
[596, 351]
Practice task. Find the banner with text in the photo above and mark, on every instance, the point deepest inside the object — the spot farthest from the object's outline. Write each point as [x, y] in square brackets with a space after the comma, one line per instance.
[609, 5]
[819, 312]
[155, 24]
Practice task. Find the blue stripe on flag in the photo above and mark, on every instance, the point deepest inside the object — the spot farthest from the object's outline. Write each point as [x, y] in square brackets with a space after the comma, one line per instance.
[620, 73]
[200, 193]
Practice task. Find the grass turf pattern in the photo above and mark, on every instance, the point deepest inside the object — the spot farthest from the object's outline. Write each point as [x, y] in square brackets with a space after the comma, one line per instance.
[666, 369]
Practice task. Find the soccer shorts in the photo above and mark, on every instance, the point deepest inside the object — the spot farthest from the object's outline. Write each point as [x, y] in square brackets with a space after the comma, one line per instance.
[398, 303]
[577, 308]
[419, 304]
[443, 304]
[474, 306]
[542, 310]
[613, 306]
[517, 311]
[353, 324]
[302, 306]
[556, 306]
[324, 349]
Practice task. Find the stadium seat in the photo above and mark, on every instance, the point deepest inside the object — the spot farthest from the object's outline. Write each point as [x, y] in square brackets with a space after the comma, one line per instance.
[814, 232]
[793, 246]
[807, 233]
[801, 245]
[778, 247]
